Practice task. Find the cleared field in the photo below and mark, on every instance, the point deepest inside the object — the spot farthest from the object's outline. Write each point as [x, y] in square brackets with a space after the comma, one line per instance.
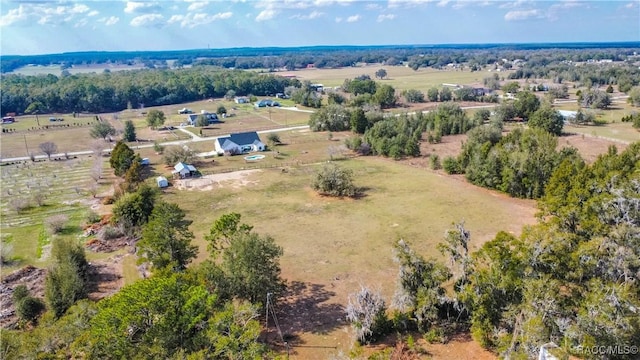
[400, 77]
[333, 246]
[32, 70]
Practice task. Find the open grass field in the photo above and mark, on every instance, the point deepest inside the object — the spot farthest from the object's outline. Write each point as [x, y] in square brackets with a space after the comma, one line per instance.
[400, 77]
[612, 128]
[335, 245]
[33, 70]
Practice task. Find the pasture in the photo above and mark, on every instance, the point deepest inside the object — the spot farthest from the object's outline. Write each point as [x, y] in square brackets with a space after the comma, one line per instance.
[335, 245]
[400, 77]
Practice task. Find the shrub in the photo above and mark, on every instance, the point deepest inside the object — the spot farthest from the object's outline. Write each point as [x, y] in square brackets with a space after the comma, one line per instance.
[29, 308]
[434, 161]
[19, 204]
[451, 165]
[20, 292]
[367, 313]
[109, 232]
[56, 223]
[93, 217]
[333, 180]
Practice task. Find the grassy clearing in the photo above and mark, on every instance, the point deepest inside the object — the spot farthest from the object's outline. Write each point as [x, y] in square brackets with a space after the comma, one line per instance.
[324, 238]
[336, 245]
[612, 128]
[400, 77]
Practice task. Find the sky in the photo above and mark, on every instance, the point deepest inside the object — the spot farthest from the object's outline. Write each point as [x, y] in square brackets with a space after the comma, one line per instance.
[29, 27]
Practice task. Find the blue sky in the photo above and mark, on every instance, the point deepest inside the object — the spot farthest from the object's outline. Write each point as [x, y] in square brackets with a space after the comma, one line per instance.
[45, 26]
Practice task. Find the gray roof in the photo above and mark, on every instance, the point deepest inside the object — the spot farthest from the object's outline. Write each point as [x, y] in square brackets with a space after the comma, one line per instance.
[239, 139]
[181, 166]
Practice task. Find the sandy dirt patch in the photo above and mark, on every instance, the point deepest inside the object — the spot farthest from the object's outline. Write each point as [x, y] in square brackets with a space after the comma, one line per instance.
[236, 179]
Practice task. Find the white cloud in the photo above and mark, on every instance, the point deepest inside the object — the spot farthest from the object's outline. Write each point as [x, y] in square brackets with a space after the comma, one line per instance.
[193, 20]
[93, 13]
[516, 15]
[148, 20]
[353, 18]
[515, 4]
[112, 20]
[78, 9]
[266, 14]
[82, 22]
[45, 14]
[14, 15]
[631, 5]
[554, 10]
[407, 3]
[443, 3]
[338, 19]
[135, 7]
[383, 17]
[197, 5]
[313, 15]
[373, 7]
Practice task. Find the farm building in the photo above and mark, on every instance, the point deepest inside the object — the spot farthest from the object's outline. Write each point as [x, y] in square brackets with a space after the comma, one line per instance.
[242, 100]
[239, 143]
[183, 170]
[162, 182]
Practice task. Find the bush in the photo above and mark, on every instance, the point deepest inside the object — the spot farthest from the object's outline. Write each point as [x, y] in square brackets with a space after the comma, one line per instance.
[109, 232]
[434, 161]
[19, 204]
[367, 313]
[93, 217]
[56, 223]
[333, 180]
[20, 292]
[451, 166]
[29, 308]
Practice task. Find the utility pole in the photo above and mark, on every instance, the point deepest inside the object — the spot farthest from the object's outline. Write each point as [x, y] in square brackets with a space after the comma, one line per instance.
[266, 319]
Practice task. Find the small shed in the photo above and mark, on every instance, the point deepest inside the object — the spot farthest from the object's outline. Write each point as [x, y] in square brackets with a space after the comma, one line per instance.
[144, 161]
[162, 182]
[184, 170]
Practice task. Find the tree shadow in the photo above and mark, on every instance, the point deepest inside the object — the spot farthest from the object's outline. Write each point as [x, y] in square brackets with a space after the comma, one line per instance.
[307, 308]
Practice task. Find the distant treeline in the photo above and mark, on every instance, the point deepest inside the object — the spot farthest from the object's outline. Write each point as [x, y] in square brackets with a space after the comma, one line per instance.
[331, 56]
[107, 92]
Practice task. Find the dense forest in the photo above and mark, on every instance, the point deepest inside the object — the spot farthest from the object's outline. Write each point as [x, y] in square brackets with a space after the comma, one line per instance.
[331, 56]
[117, 91]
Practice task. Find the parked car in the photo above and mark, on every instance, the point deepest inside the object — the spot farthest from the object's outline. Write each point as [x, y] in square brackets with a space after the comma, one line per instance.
[185, 111]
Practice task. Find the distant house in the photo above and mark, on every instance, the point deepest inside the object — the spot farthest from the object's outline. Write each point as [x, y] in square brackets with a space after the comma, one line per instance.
[239, 143]
[212, 118]
[183, 170]
[266, 102]
[162, 182]
[242, 100]
[481, 91]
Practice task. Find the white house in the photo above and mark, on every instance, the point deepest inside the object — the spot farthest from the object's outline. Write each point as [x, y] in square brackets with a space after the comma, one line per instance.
[239, 143]
[162, 182]
[184, 170]
[241, 100]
